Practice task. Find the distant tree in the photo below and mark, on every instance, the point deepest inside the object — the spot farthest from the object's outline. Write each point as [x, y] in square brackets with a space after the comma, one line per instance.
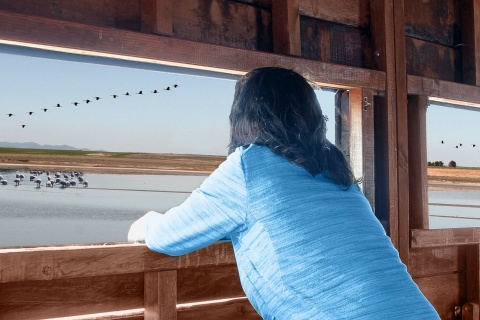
[452, 164]
[430, 163]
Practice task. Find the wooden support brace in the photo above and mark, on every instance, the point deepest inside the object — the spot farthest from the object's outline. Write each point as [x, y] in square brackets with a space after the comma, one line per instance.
[470, 311]
[286, 27]
[160, 295]
[470, 12]
[156, 16]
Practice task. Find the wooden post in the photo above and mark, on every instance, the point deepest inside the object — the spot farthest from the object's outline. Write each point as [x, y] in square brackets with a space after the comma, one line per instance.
[383, 49]
[368, 146]
[470, 311]
[470, 24]
[417, 161]
[473, 273]
[160, 295]
[156, 16]
[286, 27]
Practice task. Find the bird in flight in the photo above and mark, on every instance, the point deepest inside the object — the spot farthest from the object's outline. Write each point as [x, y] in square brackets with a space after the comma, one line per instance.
[167, 88]
[30, 112]
[75, 103]
[442, 142]
[10, 114]
[58, 105]
[23, 125]
[155, 91]
[87, 101]
[44, 109]
[176, 86]
[140, 92]
[97, 98]
[127, 94]
[114, 96]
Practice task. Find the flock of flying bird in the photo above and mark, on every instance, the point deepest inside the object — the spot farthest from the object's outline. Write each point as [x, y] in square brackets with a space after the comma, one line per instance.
[458, 145]
[87, 101]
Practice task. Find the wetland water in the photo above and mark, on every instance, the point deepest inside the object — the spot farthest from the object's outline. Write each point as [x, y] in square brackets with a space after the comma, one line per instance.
[104, 211]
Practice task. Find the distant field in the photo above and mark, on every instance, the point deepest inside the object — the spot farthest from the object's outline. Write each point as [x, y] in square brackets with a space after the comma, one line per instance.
[125, 162]
[454, 175]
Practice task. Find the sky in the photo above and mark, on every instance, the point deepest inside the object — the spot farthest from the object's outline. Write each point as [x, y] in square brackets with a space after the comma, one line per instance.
[191, 119]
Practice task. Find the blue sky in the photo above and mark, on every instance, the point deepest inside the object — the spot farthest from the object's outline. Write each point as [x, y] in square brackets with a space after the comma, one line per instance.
[192, 118]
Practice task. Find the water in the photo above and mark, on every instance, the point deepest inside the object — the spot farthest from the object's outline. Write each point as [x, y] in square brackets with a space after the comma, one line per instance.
[104, 211]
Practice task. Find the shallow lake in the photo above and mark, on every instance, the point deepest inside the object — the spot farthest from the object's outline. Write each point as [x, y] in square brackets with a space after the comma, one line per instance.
[104, 211]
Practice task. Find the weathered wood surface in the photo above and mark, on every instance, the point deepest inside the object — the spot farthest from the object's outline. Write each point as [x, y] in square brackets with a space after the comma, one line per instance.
[444, 237]
[424, 262]
[470, 311]
[120, 281]
[77, 38]
[417, 161]
[473, 273]
[350, 12]
[286, 27]
[470, 14]
[457, 93]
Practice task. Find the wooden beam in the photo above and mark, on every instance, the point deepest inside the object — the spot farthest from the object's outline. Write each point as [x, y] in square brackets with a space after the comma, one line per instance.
[444, 91]
[45, 263]
[236, 308]
[368, 146]
[421, 238]
[383, 49]
[56, 35]
[160, 294]
[473, 274]
[402, 131]
[417, 161]
[286, 27]
[351, 12]
[156, 16]
[470, 24]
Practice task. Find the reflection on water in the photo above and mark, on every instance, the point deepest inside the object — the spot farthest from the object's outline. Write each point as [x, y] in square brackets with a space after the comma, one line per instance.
[102, 212]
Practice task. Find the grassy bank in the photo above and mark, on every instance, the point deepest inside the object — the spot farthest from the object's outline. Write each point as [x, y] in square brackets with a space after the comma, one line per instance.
[70, 160]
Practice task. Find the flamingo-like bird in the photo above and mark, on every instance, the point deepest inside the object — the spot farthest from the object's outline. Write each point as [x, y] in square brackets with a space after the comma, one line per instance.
[38, 181]
[17, 181]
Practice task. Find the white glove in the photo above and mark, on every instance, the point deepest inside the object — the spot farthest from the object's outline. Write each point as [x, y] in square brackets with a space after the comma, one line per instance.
[137, 230]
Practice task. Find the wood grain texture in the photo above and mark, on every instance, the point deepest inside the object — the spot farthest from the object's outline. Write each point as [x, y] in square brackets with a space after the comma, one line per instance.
[444, 292]
[97, 260]
[156, 16]
[444, 237]
[425, 262]
[473, 273]
[231, 309]
[470, 25]
[350, 12]
[454, 92]
[286, 27]
[160, 292]
[432, 60]
[61, 36]
[368, 146]
[417, 161]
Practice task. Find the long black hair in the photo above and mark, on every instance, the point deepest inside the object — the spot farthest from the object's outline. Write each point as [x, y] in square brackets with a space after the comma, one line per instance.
[278, 108]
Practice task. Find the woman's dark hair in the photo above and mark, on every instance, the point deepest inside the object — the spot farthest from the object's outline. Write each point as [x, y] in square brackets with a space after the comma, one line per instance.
[278, 108]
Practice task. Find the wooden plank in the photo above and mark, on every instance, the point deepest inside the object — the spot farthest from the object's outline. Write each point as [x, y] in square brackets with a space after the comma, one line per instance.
[232, 309]
[286, 27]
[330, 42]
[473, 273]
[457, 93]
[431, 60]
[470, 311]
[208, 283]
[470, 25]
[417, 161]
[350, 12]
[368, 146]
[97, 260]
[445, 292]
[227, 23]
[161, 295]
[436, 261]
[70, 297]
[402, 131]
[383, 47]
[156, 16]
[342, 122]
[355, 132]
[102, 13]
[89, 40]
[444, 237]
[433, 21]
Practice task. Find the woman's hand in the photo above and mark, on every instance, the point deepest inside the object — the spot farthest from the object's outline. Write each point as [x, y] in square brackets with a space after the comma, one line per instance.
[137, 229]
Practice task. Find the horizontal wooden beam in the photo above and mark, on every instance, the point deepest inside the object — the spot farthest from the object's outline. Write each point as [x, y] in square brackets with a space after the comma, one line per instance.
[47, 263]
[75, 38]
[350, 12]
[444, 91]
[444, 237]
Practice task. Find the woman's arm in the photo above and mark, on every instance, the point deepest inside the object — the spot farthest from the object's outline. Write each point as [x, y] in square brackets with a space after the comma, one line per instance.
[212, 212]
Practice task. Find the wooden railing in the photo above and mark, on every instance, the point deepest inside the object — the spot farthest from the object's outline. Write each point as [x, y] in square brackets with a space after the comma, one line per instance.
[120, 281]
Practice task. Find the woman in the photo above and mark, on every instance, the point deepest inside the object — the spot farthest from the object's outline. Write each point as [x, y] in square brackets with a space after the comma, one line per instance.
[305, 239]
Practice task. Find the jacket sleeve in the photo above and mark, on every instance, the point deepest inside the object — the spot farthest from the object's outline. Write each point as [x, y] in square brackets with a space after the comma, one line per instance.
[212, 212]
